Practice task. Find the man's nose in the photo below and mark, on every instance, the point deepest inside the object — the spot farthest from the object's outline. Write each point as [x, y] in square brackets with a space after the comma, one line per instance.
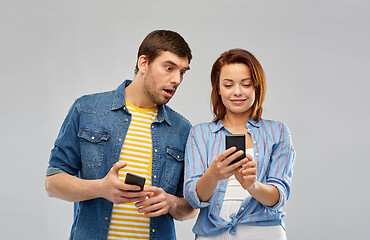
[176, 78]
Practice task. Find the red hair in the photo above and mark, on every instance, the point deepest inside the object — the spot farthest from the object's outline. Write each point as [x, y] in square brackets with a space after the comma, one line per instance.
[234, 56]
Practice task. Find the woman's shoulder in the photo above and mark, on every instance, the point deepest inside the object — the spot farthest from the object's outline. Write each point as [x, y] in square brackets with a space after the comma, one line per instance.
[205, 126]
[274, 127]
[270, 122]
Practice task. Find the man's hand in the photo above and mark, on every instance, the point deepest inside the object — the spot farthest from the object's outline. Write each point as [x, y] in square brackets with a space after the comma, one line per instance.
[118, 192]
[158, 203]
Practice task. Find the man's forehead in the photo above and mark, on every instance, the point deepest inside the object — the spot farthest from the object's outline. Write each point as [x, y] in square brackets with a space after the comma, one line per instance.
[173, 59]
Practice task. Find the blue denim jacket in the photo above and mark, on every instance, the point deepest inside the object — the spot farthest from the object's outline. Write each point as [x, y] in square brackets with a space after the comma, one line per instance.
[90, 142]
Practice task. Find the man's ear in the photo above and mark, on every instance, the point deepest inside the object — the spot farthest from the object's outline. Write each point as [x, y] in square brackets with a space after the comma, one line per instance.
[143, 63]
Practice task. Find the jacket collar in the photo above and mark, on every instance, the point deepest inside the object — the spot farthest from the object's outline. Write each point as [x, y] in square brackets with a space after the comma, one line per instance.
[120, 102]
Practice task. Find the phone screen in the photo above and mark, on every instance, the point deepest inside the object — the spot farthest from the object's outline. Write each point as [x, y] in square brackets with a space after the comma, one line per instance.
[237, 140]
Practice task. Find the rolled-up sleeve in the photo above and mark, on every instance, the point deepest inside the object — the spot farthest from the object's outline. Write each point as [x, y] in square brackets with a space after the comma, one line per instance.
[65, 156]
[195, 166]
[282, 166]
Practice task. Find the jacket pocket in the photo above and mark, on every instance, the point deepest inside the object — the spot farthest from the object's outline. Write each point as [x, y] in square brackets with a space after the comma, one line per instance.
[92, 144]
[174, 165]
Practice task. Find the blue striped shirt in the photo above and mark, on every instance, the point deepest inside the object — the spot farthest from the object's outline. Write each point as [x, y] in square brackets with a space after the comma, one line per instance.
[274, 154]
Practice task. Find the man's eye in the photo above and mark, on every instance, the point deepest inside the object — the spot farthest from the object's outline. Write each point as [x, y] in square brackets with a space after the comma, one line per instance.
[168, 68]
[182, 72]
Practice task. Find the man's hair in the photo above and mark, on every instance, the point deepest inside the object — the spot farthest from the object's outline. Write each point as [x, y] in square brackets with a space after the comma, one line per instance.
[235, 56]
[163, 40]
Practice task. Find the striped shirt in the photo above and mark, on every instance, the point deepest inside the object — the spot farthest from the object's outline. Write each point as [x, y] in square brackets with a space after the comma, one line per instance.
[126, 221]
[274, 153]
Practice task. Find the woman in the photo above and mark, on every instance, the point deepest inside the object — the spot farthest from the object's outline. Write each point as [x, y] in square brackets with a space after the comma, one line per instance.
[241, 200]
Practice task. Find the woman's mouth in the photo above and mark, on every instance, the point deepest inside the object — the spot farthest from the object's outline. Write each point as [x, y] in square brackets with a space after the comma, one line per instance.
[238, 101]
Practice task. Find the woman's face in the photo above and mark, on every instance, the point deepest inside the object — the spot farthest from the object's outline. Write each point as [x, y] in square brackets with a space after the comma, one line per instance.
[236, 88]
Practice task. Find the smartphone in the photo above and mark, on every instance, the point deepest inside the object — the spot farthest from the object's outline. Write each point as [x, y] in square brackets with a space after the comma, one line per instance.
[237, 140]
[135, 180]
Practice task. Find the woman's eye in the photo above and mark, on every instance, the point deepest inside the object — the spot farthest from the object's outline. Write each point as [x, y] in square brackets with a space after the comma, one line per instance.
[246, 85]
[228, 85]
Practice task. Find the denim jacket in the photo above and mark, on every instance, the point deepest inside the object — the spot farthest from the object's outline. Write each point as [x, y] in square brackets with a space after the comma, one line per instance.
[90, 142]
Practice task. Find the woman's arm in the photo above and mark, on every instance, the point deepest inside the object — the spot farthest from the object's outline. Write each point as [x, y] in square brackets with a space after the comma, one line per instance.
[218, 170]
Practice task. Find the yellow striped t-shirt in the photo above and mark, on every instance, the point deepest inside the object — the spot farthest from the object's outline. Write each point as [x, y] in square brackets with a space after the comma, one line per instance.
[126, 221]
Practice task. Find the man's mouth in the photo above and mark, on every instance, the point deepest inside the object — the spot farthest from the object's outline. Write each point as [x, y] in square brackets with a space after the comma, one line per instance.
[169, 92]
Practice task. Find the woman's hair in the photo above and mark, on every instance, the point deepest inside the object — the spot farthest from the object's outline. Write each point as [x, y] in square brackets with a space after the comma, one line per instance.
[234, 56]
[163, 40]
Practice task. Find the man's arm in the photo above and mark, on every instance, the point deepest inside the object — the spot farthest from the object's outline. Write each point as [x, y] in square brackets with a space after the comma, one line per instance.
[74, 189]
[160, 203]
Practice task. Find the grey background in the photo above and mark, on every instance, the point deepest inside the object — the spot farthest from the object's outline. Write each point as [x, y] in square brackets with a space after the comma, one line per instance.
[315, 53]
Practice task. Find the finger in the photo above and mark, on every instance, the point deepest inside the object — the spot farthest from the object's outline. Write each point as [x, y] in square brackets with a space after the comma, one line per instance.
[250, 171]
[157, 213]
[251, 164]
[117, 166]
[128, 187]
[131, 194]
[250, 157]
[152, 189]
[232, 157]
[235, 165]
[225, 153]
[127, 200]
[151, 208]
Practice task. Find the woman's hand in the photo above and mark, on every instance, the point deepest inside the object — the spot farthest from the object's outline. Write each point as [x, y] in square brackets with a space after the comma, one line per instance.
[247, 174]
[220, 168]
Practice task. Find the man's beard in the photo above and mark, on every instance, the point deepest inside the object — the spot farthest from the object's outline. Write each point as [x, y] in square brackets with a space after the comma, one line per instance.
[154, 95]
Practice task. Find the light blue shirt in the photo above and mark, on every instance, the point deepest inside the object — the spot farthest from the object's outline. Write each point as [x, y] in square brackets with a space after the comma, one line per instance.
[274, 154]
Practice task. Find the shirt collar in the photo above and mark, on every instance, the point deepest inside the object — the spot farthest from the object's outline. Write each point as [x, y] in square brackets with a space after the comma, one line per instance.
[119, 102]
[215, 127]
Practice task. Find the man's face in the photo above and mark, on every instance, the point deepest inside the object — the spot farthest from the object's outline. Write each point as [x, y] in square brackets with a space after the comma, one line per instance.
[164, 75]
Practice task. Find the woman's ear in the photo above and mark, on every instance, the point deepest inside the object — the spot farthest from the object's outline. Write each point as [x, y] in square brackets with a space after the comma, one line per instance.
[143, 63]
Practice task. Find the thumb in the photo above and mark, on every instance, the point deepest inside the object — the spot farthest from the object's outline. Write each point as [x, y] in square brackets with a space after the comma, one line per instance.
[117, 166]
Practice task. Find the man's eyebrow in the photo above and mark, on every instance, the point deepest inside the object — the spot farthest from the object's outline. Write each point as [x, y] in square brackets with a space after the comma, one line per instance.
[174, 64]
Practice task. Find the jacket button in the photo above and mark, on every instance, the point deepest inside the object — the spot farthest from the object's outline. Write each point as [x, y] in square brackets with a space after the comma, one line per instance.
[92, 138]
[106, 218]
[126, 119]
[155, 150]
[153, 230]
[155, 176]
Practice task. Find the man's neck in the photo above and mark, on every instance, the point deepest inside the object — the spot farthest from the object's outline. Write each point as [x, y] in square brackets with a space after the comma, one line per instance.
[136, 94]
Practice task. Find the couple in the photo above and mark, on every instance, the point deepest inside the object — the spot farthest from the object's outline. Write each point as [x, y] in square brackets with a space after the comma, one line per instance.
[132, 130]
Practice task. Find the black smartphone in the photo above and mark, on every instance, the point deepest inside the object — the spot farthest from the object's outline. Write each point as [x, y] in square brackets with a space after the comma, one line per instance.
[237, 140]
[135, 180]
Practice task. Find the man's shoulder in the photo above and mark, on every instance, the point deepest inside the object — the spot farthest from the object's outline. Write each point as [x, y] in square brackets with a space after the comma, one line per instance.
[96, 103]
[176, 118]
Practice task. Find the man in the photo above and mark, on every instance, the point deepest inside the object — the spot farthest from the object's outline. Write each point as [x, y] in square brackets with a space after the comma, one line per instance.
[130, 129]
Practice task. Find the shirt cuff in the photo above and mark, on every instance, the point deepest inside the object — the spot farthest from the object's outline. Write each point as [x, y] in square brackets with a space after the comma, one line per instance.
[54, 170]
[282, 196]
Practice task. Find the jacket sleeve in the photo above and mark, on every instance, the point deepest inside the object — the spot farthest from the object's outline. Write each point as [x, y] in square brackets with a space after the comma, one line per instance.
[65, 156]
[282, 165]
[195, 165]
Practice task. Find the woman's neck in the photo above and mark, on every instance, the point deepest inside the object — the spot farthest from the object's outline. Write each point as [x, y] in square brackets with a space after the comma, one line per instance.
[235, 123]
